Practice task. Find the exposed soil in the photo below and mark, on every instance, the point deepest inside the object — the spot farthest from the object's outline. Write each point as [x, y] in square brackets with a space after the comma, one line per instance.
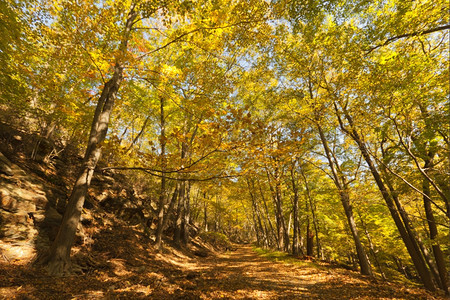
[245, 275]
[134, 272]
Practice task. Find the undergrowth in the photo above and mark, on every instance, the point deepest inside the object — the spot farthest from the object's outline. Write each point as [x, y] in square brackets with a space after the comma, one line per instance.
[283, 257]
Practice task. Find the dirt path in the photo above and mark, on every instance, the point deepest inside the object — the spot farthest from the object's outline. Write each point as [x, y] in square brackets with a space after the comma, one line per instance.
[243, 274]
[129, 271]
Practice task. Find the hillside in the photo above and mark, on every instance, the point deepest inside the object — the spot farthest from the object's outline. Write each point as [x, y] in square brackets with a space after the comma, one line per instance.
[114, 259]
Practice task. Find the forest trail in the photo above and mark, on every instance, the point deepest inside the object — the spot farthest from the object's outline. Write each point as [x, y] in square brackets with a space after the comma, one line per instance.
[117, 265]
[131, 272]
[243, 274]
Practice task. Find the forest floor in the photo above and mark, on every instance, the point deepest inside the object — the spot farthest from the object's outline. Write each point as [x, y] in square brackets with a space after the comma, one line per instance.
[119, 262]
[137, 273]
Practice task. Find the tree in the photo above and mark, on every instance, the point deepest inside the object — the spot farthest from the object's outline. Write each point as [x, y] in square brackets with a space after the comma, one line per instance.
[58, 259]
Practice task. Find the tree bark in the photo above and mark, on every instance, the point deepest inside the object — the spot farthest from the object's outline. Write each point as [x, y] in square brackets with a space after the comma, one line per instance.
[341, 184]
[179, 215]
[277, 214]
[169, 211]
[408, 240]
[433, 232]
[283, 235]
[257, 215]
[372, 248]
[162, 193]
[266, 209]
[309, 238]
[58, 260]
[313, 212]
[205, 216]
[186, 215]
[296, 250]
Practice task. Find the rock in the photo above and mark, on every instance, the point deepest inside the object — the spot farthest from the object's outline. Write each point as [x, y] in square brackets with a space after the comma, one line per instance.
[5, 166]
[7, 202]
[6, 170]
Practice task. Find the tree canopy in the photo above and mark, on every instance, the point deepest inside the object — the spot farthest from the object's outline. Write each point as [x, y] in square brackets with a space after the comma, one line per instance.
[320, 128]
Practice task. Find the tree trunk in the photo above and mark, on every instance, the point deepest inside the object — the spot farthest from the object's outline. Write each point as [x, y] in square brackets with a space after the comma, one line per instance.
[166, 217]
[341, 184]
[45, 135]
[58, 260]
[257, 215]
[173, 201]
[361, 253]
[266, 209]
[372, 248]
[408, 240]
[179, 215]
[255, 226]
[295, 239]
[162, 193]
[309, 239]
[417, 242]
[278, 214]
[313, 212]
[283, 235]
[438, 254]
[186, 216]
[205, 217]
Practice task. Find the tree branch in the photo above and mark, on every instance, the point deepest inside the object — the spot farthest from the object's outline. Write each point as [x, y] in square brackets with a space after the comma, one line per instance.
[165, 171]
[178, 38]
[411, 34]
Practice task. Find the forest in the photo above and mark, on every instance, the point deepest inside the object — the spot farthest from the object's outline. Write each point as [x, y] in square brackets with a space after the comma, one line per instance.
[315, 130]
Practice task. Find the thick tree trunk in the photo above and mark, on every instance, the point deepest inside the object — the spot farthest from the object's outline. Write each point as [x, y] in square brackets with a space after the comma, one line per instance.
[58, 260]
[165, 218]
[169, 211]
[361, 253]
[280, 213]
[59, 255]
[417, 242]
[182, 228]
[282, 233]
[255, 226]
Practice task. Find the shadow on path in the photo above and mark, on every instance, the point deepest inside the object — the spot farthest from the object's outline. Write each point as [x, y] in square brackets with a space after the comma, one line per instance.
[245, 275]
